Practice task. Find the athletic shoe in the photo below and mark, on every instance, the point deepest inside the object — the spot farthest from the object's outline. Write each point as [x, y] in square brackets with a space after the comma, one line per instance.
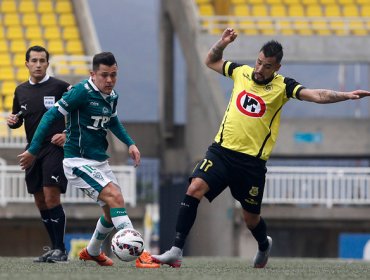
[173, 257]
[101, 259]
[58, 256]
[44, 257]
[261, 257]
[145, 261]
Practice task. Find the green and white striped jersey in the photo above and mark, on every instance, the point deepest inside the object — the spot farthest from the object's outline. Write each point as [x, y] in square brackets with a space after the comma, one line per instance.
[90, 114]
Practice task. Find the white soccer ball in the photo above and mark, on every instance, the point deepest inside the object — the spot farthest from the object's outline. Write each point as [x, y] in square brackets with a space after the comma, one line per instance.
[127, 244]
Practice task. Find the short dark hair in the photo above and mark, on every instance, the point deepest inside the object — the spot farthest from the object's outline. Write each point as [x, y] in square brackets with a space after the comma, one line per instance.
[36, 49]
[273, 49]
[105, 58]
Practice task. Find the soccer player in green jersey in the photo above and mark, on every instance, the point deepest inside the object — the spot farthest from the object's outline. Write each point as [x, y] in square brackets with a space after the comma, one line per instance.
[243, 144]
[91, 109]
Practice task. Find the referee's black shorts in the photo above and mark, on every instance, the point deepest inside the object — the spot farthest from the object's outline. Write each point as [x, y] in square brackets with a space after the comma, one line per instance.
[243, 174]
[47, 170]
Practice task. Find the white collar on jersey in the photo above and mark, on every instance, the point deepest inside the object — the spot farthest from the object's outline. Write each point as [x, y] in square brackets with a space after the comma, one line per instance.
[42, 81]
[105, 96]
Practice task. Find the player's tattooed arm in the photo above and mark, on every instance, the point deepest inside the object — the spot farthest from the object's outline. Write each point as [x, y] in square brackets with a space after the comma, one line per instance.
[216, 52]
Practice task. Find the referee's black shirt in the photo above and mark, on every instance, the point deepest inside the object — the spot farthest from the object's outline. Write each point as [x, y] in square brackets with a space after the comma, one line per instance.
[34, 100]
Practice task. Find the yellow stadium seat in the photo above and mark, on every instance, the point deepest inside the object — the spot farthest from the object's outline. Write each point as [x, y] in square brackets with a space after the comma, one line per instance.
[303, 28]
[2, 34]
[328, 2]
[74, 47]
[278, 10]
[6, 74]
[14, 32]
[26, 7]
[365, 10]
[18, 46]
[332, 11]
[52, 32]
[62, 68]
[255, 2]
[285, 28]
[206, 10]
[319, 26]
[8, 87]
[363, 2]
[5, 59]
[19, 60]
[70, 33]
[45, 7]
[8, 6]
[63, 7]
[351, 11]
[56, 47]
[273, 2]
[80, 67]
[310, 2]
[8, 103]
[259, 10]
[22, 74]
[33, 33]
[291, 2]
[234, 2]
[30, 20]
[357, 28]
[11, 19]
[3, 46]
[241, 10]
[36, 42]
[67, 20]
[314, 11]
[296, 11]
[346, 2]
[48, 20]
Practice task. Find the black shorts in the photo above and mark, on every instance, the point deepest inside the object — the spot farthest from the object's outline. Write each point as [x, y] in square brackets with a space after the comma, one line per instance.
[243, 174]
[47, 170]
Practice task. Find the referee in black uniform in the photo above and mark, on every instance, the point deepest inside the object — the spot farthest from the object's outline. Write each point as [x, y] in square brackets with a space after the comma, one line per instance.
[45, 178]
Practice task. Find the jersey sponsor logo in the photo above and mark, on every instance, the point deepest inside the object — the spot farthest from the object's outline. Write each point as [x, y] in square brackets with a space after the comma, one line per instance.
[49, 101]
[94, 103]
[250, 104]
[99, 122]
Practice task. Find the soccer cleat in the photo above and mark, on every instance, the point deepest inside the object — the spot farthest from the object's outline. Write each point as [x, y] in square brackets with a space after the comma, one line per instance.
[58, 256]
[44, 257]
[101, 259]
[261, 257]
[145, 261]
[173, 257]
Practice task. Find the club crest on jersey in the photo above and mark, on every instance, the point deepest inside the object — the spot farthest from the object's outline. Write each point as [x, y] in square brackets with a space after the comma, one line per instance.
[49, 101]
[105, 110]
[250, 104]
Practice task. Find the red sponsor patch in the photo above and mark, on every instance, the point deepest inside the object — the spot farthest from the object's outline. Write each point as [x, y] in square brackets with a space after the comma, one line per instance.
[250, 104]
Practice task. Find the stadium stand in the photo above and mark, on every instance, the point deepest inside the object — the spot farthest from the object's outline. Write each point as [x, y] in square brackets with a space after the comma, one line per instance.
[287, 17]
[23, 23]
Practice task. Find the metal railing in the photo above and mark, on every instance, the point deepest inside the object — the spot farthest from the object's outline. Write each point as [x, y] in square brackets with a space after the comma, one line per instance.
[13, 188]
[344, 25]
[284, 185]
[318, 185]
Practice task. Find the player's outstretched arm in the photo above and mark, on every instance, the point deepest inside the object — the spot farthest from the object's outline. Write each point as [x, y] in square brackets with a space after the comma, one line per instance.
[214, 57]
[324, 96]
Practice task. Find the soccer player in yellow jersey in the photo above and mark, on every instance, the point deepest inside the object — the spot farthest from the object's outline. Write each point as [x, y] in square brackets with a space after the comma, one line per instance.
[243, 144]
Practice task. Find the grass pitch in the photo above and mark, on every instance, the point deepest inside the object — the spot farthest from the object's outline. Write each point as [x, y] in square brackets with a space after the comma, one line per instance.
[192, 269]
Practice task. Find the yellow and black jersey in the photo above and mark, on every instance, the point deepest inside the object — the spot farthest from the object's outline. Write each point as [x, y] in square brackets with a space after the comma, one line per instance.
[252, 118]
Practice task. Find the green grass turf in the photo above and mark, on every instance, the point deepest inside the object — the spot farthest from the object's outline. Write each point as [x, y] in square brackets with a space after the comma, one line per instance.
[192, 269]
